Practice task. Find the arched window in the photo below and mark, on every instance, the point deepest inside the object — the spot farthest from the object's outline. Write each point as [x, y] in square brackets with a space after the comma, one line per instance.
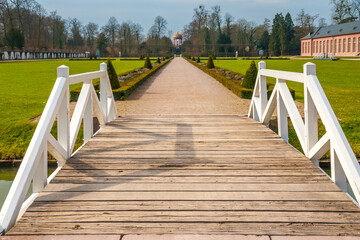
[354, 44]
[349, 45]
[344, 45]
[327, 46]
[339, 49]
[331, 46]
[335, 46]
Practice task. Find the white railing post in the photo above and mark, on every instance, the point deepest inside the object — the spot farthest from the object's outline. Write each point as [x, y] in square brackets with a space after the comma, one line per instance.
[337, 172]
[40, 176]
[63, 125]
[103, 90]
[282, 117]
[262, 90]
[311, 117]
[88, 119]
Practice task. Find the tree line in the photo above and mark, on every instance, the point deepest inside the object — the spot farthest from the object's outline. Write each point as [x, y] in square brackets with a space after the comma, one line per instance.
[25, 24]
[212, 33]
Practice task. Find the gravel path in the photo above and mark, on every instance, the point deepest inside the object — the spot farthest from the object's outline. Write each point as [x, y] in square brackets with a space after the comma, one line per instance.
[181, 88]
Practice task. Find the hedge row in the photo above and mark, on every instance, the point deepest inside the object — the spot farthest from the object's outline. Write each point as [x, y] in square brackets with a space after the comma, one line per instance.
[230, 84]
[235, 87]
[124, 91]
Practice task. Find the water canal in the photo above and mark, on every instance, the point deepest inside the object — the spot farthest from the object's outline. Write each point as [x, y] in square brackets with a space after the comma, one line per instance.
[7, 175]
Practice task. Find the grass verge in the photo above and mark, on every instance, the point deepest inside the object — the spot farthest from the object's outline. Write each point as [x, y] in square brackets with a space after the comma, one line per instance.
[339, 79]
[24, 90]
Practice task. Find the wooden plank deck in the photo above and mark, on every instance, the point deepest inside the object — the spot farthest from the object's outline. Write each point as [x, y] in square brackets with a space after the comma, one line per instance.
[190, 174]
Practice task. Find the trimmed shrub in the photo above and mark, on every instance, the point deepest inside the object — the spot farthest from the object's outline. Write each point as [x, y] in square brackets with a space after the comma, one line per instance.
[210, 63]
[198, 60]
[213, 57]
[232, 85]
[147, 63]
[114, 80]
[158, 60]
[250, 76]
[124, 91]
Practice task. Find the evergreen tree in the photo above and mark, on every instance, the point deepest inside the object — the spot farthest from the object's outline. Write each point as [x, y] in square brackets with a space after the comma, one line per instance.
[210, 63]
[274, 44]
[101, 44]
[264, 41]
[114, 80]
[158, 61]
[250, 76]
[15, 38]
[290, 34]
[147, 63]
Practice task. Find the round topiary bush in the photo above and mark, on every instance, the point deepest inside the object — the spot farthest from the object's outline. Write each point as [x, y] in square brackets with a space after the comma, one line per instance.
[210, 63]
[158, 60]
[147, 63]
[198, 60]
[114, 80]
[250, 76]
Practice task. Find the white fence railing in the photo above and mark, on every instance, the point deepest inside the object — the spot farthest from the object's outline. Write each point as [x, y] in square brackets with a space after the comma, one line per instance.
[344, 165]
[34, 165]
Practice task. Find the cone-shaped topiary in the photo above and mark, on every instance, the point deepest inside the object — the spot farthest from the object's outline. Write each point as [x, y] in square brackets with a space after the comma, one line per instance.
[250, 76]
[158, 60]
[147, 64]
[193, 58]
[198, 60]
[210, 63]
[114, 80]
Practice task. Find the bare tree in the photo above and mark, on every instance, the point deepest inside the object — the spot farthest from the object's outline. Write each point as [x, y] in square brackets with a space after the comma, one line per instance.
[111, 29]
[306, 21]
[356, 7]
[91, 31]
[75, 28]
[343, 11]
[159, 28]
[41, 14]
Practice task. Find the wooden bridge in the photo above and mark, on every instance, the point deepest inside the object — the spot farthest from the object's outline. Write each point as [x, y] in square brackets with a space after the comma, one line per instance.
[200, 167]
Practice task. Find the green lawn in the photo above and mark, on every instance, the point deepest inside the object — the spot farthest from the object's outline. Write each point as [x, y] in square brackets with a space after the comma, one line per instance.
[340, 81]
[24, 90]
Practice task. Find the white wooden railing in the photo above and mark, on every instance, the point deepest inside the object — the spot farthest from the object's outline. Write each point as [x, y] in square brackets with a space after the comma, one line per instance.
[344, 165]
[33, 168]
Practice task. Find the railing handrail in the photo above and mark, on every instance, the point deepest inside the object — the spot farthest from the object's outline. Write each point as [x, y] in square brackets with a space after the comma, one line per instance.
[34, 165]
[344, 165]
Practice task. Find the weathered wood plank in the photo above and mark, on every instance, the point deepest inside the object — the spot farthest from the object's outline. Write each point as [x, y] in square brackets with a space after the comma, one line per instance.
[83, 165]
[173, 187]
[190, 216]
[264, 206]
[194, 179]
[188, 173]
[287, 229]
[192, 196]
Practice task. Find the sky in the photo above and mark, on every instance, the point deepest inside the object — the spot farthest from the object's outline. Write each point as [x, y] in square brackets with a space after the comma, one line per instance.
[178, 13]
